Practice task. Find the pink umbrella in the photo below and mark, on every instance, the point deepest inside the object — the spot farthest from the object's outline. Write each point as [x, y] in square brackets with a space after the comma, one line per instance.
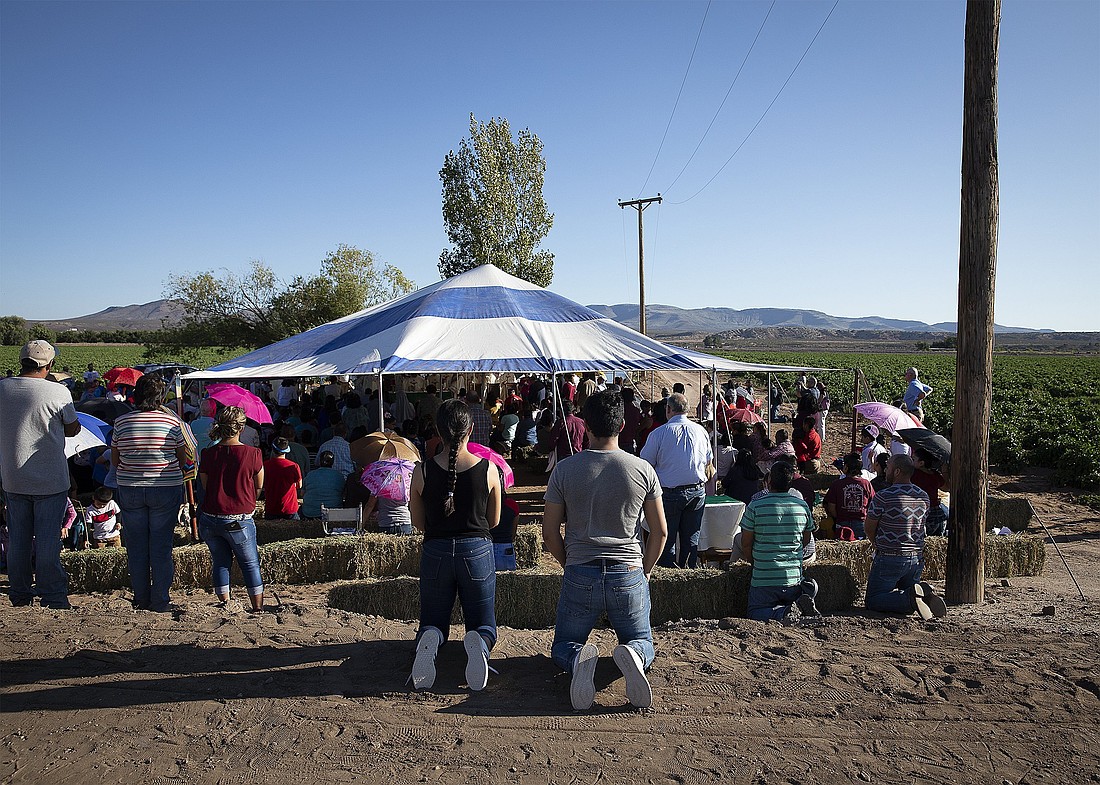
[745, 415]
[481, 451]
[886, 416]
[390, 479]
[234, 395]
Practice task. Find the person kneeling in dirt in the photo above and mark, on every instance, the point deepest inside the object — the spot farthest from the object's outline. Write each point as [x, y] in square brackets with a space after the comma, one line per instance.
[601, 494]
[895, 524]
[774, 531]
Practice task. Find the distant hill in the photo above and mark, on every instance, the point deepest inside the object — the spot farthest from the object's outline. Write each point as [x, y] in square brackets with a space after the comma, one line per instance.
[670, 320]
[147, 316]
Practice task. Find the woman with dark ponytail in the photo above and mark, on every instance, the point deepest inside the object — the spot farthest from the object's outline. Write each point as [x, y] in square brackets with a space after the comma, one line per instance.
[455, 501]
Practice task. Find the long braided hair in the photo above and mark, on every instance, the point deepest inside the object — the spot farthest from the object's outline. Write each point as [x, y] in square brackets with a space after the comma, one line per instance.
[453, 422]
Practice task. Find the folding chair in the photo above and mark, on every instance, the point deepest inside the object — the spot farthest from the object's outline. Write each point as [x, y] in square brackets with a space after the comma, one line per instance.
[342, 516]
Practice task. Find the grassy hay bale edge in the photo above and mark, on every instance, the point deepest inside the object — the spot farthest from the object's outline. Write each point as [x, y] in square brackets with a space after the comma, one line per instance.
[529, 599]
[1005, 557]
[311, 560]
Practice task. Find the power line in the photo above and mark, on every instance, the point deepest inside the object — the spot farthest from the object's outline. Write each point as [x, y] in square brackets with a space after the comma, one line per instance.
[765, 114]
[676, 103]
[726, 96]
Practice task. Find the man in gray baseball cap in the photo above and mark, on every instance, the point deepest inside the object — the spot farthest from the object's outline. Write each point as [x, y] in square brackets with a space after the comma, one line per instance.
[36, 415]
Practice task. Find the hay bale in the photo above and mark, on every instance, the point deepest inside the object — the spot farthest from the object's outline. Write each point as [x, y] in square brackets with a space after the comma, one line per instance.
[528, 546]
[281, 530]
[1011, 511]
[528, 599]
[99, 569]
[1005, 557]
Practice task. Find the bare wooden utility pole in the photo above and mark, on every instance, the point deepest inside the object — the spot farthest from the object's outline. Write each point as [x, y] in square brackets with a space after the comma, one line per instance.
[640, 205]
[977, 277]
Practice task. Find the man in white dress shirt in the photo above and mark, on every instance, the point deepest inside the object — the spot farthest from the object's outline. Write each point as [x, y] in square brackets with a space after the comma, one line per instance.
[680, 452]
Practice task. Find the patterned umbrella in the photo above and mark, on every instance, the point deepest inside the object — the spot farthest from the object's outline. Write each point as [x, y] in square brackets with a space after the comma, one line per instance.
[389, 479]
[235, 395]
[481, 451]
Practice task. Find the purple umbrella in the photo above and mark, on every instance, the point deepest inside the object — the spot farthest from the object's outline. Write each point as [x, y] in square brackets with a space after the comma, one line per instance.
[886, 416]
[389, 479]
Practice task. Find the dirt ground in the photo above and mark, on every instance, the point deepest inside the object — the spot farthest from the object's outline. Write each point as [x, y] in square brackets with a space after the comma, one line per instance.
[995, 693]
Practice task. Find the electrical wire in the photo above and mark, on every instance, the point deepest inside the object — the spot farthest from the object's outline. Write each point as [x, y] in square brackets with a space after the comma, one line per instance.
[676, 103]
[724, 98]
[765, 114]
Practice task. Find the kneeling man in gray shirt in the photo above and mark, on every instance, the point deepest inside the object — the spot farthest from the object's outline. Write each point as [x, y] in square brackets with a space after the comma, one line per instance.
[600, 495]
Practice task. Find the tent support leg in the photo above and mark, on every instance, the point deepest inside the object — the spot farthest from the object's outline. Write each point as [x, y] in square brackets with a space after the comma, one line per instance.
[769, 405]
[714, 423]
[381, 404]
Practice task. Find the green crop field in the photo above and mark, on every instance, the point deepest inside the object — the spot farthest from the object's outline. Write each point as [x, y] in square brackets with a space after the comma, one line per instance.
[108, 355]
[1045, 408]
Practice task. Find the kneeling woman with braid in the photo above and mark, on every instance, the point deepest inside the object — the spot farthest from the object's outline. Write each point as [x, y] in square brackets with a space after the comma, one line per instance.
[455, 501]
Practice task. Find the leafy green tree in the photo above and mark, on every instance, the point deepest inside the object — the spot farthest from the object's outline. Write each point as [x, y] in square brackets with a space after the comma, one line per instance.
[493, 206]
[255, 308]
[40, 332]
[13, 330]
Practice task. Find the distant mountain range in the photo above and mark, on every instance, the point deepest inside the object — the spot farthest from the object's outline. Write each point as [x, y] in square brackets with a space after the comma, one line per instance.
[148, 316]
[660, 319]
[670, 320]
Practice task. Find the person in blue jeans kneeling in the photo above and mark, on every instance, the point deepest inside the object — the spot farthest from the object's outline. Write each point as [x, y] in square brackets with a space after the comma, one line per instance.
[455, 501]
[774, 532]
[601, 495]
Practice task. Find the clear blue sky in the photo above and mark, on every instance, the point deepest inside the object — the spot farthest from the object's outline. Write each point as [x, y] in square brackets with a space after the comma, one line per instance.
[138, 139]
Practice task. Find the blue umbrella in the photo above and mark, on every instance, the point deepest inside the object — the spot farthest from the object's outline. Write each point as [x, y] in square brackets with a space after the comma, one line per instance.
[93, 433]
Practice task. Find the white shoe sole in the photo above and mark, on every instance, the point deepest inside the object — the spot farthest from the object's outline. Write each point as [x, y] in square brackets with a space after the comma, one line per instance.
[638, 691]
[582, 687]
[477, 661]
[929, 604]
[423, 671]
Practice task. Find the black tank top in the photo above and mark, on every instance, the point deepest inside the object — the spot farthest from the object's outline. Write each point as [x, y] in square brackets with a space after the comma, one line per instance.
[471, 499]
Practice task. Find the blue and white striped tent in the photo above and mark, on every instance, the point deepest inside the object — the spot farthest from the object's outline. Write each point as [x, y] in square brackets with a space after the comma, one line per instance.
[482, 321]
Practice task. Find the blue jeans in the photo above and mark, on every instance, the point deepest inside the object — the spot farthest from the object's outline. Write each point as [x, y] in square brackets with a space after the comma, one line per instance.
[464, 566]
[226, 539]
[772, 602]
[400, 528]
[684, 516]
[149, 516]
[590, 590]
[890, 583]
[37, 518]
[857, 526]
[935, 525]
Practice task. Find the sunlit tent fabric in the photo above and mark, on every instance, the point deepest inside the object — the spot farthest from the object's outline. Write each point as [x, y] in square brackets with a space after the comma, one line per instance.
[482, 321]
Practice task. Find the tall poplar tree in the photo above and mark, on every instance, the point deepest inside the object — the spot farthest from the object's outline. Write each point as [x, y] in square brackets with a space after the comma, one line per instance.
[493, 206]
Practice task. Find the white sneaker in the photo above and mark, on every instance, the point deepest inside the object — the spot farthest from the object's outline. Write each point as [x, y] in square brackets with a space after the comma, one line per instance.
[929, 604]
[423, 672]
[638, 691]
[477, 660]
[582, 688]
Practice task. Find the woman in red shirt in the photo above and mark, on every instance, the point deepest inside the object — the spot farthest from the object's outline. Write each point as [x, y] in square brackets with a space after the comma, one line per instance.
[232, 474]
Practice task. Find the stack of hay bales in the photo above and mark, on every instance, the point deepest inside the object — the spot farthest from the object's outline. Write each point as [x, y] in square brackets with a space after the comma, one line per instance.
[1011, 511]
[528, 599]
[312, 560]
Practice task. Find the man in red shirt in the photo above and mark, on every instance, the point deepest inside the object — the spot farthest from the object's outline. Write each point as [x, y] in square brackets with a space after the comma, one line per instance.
[847, 499]
[282, 482]
[807, 446]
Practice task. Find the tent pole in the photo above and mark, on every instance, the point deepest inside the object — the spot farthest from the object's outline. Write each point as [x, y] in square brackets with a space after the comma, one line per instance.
[769, 404]
[855, 414]
[714, 421]
[381, 405]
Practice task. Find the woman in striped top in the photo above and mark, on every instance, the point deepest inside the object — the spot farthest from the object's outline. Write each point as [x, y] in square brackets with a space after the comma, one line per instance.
[151, 448]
